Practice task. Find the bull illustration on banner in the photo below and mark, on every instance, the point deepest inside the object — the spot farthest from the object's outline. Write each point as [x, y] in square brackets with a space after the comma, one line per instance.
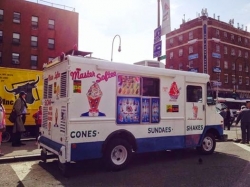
[26, 86]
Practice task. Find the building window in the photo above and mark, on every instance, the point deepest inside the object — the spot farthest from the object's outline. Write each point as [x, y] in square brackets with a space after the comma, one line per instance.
[226, 78]
[217, 32]
[217, 48]
[51, 43]
[232, 37]
[218, 76]
[233, 79]
[1, 36]
[190, 64]
[225, 50]
[246, 54]
[190, 49]
[225, 65]
[171, 55]
[180, 38]
[246, 41]
[16, 17]
[171, 41]
[34, 22]
[217, 62]
[240, 79]
[240, 67]
[232, 52]
[1, 15]
[33, 62]
[180, 52]
[0, 57]
[190, 35]
[180, 66]
[240, 53]
[33, 41]
[239, 39]
[233, 66]
[225, 34]
[247, 80]
[247, 68]
[15, 58]
[51, 24]
[16, 39]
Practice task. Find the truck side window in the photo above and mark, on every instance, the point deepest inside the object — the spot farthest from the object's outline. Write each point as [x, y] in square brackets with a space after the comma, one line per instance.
[150, 87]
[194, 93]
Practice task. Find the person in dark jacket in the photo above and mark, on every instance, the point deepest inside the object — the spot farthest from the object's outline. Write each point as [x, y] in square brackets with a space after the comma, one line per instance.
[227, 119]
[244, 118]
[20, 108]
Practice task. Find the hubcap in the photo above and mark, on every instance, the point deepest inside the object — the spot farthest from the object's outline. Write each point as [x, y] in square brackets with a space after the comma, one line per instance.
[207, 144]
[119, 155]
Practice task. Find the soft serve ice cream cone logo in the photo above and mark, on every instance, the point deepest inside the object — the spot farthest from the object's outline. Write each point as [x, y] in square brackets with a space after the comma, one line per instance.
[94, 95]
[174, 92]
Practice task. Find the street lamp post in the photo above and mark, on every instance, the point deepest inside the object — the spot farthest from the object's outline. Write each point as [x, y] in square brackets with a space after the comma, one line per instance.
[119, 49]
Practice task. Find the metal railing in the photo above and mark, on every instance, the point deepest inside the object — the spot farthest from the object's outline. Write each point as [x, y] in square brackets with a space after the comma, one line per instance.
[53, 4]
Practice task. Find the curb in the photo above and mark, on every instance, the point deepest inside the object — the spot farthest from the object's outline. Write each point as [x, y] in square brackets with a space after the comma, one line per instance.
[19, 158]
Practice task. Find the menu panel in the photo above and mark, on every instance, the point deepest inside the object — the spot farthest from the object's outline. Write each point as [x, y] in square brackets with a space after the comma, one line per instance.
[145, 110]
[128, 110]
[128, 85]
[155, 110]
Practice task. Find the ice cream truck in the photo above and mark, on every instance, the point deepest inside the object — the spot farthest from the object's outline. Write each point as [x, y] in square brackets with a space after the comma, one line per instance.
[95, 108]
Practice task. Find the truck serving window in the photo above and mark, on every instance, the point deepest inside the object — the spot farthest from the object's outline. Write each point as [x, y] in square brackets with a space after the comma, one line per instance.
[194, 93]
[150, 87]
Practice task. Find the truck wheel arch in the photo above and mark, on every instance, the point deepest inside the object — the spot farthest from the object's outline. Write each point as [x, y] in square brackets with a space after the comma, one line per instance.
[123, 134]
[212, 131]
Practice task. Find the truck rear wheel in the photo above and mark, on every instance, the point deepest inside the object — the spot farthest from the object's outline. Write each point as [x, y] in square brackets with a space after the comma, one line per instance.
[118, 154]
[208, 144]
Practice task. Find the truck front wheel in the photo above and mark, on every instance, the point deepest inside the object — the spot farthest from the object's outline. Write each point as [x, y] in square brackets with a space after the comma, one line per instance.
[208, 144]
[118, 154]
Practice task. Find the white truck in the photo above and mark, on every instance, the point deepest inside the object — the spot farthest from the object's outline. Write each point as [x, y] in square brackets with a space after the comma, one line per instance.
[100, 109]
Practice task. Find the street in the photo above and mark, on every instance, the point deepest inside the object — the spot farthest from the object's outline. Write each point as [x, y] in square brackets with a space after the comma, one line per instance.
[228, 166]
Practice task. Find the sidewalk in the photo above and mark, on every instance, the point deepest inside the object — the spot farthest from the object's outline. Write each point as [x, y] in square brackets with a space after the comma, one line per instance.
[22, 153]
[31, 152]
[234, 133]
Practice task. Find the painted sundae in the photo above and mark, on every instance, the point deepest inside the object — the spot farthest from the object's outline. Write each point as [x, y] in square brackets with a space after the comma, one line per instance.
[94, 95]
[174, 92]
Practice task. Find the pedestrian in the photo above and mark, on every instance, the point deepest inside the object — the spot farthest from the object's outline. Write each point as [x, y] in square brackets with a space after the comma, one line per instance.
[38, 120]
[244, 118]
[2, 123]
[20, 108]
[227, 119]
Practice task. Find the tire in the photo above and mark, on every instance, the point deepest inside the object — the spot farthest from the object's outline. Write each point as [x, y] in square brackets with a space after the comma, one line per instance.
[117, 154]
[208, 144]
[6, 136]
[44, 156]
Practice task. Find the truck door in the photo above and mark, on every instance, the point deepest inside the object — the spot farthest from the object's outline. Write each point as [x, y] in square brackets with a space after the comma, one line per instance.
[195, 113]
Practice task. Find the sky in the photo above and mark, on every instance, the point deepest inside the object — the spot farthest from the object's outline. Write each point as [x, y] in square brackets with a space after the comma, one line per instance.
[135, 21]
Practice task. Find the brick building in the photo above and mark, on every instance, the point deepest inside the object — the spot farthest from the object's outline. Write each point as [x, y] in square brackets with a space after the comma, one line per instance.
[208, 45]
[32, 33]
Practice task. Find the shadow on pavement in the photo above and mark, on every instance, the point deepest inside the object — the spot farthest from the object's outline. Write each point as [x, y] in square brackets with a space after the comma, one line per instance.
[169, 168]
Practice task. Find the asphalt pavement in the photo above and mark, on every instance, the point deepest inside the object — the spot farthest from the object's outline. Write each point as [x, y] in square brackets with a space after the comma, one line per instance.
[30, 151]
